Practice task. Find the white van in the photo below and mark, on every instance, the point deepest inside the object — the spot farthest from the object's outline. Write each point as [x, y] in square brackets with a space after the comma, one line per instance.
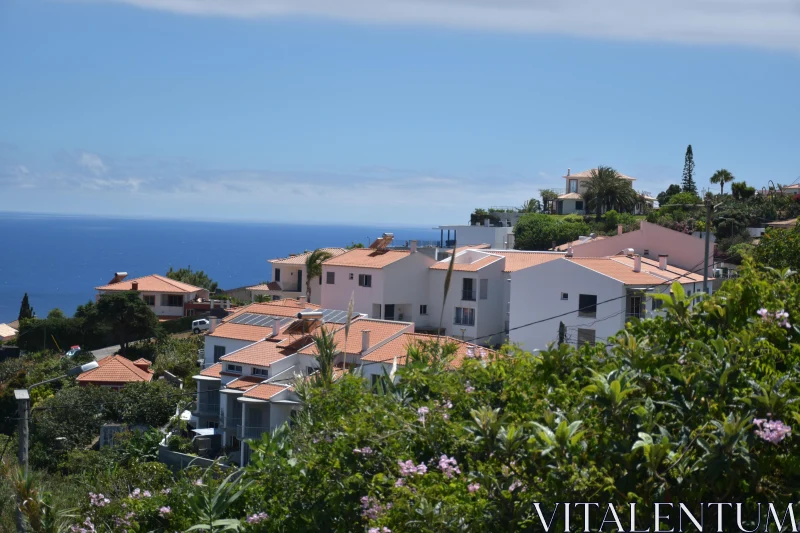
[201, 325]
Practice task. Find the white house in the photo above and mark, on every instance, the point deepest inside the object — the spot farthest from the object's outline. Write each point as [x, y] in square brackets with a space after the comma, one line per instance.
[166, 297]
[388, 284]
[592, 296]
[650, 241]
[477, 308]
[572, 200]
[289, 278]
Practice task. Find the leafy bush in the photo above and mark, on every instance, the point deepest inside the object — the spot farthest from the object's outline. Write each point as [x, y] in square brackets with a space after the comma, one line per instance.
[538, 231]
[779, 248]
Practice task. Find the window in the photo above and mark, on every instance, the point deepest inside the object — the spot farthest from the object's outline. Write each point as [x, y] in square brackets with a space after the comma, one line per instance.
[277, 274]
[423, 309]
[573, 186]
[330, 277]
[465, 316]
[484, 289]
[351, 275]
[219, 351]
[656, 304]
[365, 280]
[234, 368]
[388, 312]
[585, 336]
[320, 280]
[587, 305]
[579, 205]
[149, 299]
[172, 300]
[260, 372]
[565, 296]
[646, 252]
[468, 289]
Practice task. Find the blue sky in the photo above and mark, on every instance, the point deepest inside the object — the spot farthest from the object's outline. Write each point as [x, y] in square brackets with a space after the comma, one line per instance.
[394, 111]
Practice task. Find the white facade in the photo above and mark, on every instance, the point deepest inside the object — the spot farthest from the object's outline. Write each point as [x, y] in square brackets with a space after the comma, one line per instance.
[396, 291]
[498, 238]
[221, 346]
[541, 294]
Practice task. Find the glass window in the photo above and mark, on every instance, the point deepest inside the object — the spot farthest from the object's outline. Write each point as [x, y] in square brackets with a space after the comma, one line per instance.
[465, 316]
[565, 296]
[330, 278]
[219, 351]
[587, 305]
[234, 368]
[149, 299]
[277, 274]
[585, 336]
[365, 280]
[260, 372]
[423, 309]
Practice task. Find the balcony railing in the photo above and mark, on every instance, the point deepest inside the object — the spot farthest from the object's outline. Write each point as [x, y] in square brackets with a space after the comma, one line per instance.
[231, 422]
[251, 432]
[468, 295]
[207, 408]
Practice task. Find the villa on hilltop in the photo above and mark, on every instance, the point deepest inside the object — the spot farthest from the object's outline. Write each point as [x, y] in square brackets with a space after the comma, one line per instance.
[572, 201]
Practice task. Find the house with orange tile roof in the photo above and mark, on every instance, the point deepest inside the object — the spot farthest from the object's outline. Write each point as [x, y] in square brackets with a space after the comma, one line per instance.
[477, 302]
[594, 297]
[572, 200]
[115, 372]
[289, 277]
[385, 283]
[167, 298]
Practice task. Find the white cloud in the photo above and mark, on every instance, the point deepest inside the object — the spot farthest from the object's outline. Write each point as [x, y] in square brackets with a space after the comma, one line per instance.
[93, 163]
[762, 23]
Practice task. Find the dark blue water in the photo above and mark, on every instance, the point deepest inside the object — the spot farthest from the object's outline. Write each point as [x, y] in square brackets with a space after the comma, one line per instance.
[58, 260]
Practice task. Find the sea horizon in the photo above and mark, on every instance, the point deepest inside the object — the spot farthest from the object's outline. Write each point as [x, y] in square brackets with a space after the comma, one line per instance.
[59, 259]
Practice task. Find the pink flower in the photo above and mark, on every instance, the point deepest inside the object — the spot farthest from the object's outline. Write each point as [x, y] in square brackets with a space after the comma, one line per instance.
[164, 511]
[407, 468]
[98, 500]
[762, 313]
[772, 431]
[448, 466]
[400, 482]
[366, 450]
[166, 491]
[473, 487]
[256, 518]
[198, 482]
[469, 388]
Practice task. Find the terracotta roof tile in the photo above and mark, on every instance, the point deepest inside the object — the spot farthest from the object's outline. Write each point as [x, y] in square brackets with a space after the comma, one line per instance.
[380, 330]
[142, 361]
[244, 382]
[399, 348]
[620, 268]
[115, 369]
[368, 258]
[565, 247]
[212, 371]
[151, 283]
[271, 286]
[519, 259]
[651, 266]
[265, 391]
[300, 259]
[570, 196]
[262, 353]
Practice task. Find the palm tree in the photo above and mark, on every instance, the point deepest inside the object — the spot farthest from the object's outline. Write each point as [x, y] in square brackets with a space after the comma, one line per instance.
[722, 177]
[607, 189]
[531, 206]
[314, 268]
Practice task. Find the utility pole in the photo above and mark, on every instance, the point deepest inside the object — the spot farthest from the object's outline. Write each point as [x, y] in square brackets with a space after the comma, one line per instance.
[709, 208]
[24, 404]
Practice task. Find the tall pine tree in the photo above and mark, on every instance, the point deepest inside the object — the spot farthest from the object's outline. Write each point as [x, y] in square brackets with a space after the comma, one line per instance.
[25, 310]
[688, 184]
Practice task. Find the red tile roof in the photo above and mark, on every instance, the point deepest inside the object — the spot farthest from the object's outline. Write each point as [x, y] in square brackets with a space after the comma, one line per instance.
[115, 369]
[520, 259]
[265, 391]
[620, 268]
[380, 330]
[142, 361]
[300, 259]
[151, 283]
[271, 286]
[368, 258]
[262, 353]
[212, 371]
[466, 267]
[244, 382]
[398, 348]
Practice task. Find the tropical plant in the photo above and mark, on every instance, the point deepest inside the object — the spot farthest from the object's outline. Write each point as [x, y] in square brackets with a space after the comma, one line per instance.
[314, 267]
[548, 198]
[722, 177]
[531, 206]
[741, 191]
[607, 190]
[326, 357]
[664, 196]
[779, 248]
[211, 503]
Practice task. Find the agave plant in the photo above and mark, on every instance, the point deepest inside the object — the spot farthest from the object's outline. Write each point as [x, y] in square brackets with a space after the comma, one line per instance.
[210, 505]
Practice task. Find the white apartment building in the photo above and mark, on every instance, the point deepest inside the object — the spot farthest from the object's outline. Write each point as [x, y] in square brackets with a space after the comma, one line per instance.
[592, 296]
[289, 276]
[385, 283]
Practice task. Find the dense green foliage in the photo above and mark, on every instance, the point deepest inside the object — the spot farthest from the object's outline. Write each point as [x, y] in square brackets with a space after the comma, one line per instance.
[741, 191]
[537, 231]
[198, 278]
[664, 196]
[722, 177]
[779, 248]
[127, 315]
[606, 190]
[25, 309]
[687, 183]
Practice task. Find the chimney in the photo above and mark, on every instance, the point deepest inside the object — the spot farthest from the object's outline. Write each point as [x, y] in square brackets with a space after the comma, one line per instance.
[637, 263]
[276, 327]
[364, 341]
[212, 324]
[301, 299]
[413, 247]
[143, 364]
[569, 171]
[569, 250]
[134, 285]
[486, 222]
[662, 261]
[619, 229]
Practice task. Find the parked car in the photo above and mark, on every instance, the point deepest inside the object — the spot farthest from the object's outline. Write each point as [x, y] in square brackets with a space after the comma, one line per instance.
[73, 351]
[201, 325]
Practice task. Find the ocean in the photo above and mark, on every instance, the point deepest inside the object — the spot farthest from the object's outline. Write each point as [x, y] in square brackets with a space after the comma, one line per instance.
[58, 260]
